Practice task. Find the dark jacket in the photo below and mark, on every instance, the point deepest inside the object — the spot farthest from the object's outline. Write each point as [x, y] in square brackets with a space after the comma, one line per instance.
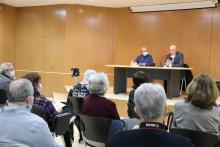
[94, 105]
[4, 83]
[178, 59]
[147, 138]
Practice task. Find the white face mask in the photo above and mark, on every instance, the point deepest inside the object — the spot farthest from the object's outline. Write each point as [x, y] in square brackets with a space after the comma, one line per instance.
[145, 53]
[12, 73]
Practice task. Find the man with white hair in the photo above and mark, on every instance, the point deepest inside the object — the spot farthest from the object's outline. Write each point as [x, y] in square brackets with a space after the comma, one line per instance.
[7, 75]
[174, 58]
[18, 123]
[150, 106]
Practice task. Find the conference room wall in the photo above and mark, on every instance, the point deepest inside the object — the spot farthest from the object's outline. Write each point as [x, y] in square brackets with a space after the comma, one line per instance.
[7, 33]
[56, 38]
[195, 32]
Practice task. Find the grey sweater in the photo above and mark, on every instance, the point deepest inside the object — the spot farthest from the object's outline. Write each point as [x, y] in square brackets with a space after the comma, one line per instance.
[188, 116]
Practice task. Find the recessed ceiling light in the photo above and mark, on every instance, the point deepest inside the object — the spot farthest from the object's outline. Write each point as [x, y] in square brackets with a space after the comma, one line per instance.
[91, 0]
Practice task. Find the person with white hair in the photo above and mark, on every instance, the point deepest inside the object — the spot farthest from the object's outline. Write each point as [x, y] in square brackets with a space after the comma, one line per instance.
[80, 90]
[96, 104]
[7, 75]
[150, 105]
[20, 125]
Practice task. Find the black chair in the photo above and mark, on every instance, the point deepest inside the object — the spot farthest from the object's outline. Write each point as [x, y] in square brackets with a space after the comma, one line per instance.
[61, 123]
[95, 130]
[130, 111]
[37, 111]
[199, 139]
[3, 97]
[169, 117]
[77, 103]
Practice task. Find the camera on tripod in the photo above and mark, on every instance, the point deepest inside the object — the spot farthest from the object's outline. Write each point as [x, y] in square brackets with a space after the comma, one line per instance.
[75, 72]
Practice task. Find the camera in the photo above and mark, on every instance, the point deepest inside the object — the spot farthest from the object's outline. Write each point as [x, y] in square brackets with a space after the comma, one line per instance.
[75, 72]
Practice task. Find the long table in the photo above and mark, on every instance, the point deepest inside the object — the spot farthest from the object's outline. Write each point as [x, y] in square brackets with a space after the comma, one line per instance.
[172, 75]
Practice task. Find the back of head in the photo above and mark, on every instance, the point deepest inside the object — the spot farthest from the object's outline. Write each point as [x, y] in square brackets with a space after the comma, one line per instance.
[139, 78]
[202, 92]
[5, 67]
[88, 73]
[98, 84]
[150, 101]
[34, 78]
[20, 90]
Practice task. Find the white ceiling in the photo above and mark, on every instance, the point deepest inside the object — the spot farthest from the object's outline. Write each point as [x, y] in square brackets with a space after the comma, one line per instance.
[100, 3]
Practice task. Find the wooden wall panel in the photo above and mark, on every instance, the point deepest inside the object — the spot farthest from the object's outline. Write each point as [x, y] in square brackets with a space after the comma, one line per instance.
[7, 32]
[57, 38]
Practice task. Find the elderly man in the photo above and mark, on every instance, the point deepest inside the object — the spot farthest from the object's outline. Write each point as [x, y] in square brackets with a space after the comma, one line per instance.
[150, 105]
[145, 59]
[20, 125]
[7, 75]
[174, 58]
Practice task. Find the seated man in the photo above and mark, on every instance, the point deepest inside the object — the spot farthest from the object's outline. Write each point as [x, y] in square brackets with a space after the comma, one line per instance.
[20, 125]
[7, 75]
[145, 59]
[174, 58]
[150, 105]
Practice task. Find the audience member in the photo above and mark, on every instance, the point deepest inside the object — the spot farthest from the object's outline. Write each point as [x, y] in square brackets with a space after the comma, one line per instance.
[81, 88]
[7, 75]
[150, 105]
[139, 78]
[199, 111]
[96, 104]
[43, 103]
[18, 123]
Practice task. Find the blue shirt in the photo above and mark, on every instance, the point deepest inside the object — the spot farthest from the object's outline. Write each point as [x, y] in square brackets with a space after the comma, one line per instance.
[19, 125]
[148, 59]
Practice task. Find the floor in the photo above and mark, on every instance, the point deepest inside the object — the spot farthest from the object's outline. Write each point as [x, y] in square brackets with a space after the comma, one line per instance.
[60, 141]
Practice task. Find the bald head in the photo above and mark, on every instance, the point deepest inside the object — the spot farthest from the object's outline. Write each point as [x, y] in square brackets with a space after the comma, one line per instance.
[173, 50]
[143, 49]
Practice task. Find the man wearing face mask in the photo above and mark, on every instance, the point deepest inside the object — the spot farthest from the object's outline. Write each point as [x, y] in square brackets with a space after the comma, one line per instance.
[20, 125]
[7, 75]
[145, 59]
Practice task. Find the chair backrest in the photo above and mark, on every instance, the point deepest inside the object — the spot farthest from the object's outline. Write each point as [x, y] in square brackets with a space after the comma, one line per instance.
[37, 111]
[3, 97]
[61, 122]
[131, 112]
[77, 103]
[95, 128]
[199, 139]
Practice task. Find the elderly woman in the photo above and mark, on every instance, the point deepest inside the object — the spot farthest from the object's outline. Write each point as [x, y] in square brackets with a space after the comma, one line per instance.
[199, 111]
[150, 105]
[7, 75]
[96, 104]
